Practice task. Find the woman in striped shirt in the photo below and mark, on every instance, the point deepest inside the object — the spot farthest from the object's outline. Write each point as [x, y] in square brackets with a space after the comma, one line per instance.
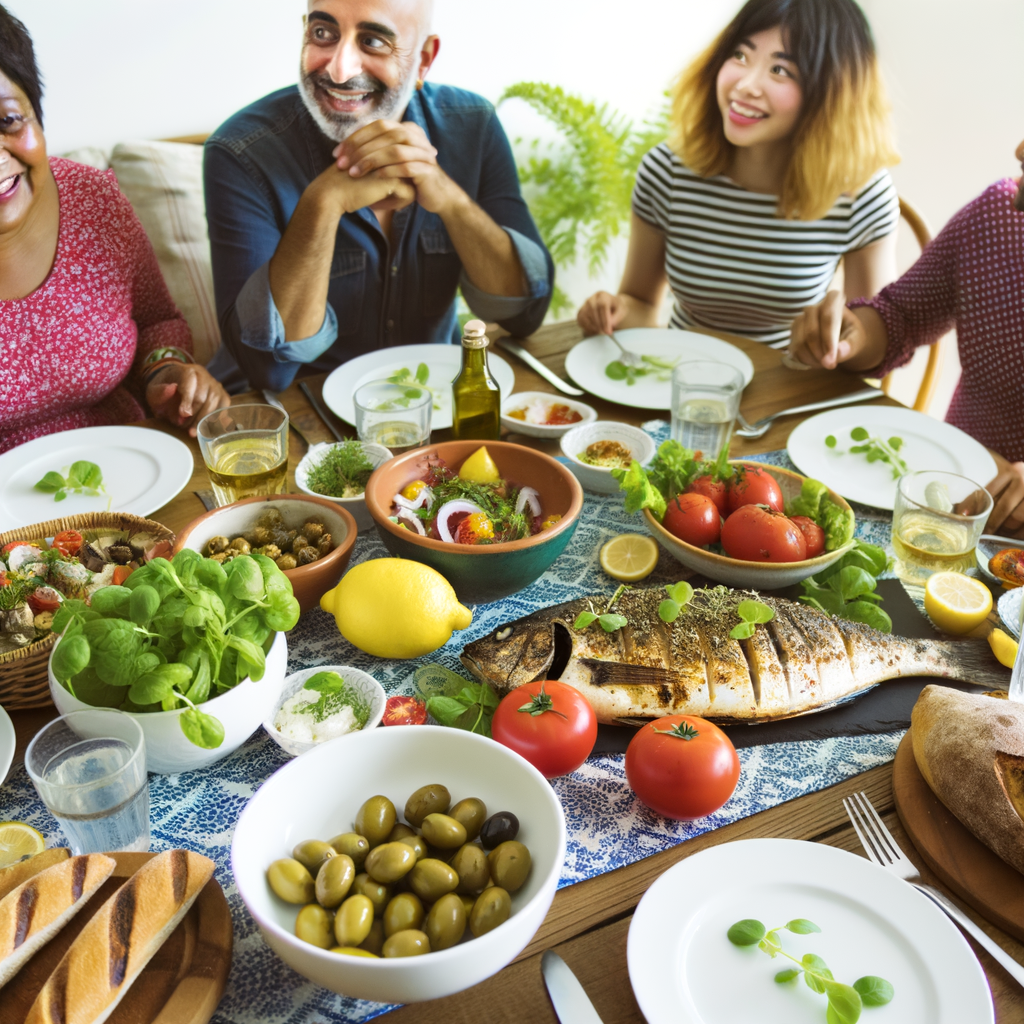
[774, 171]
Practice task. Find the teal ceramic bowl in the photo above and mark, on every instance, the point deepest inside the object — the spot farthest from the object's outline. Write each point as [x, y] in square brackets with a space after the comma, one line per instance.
[481, 572]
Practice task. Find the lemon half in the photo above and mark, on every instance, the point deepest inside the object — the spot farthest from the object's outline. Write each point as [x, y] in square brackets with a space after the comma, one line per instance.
[18, 840]
[1004, 647]
[956, 603]
[629, 557]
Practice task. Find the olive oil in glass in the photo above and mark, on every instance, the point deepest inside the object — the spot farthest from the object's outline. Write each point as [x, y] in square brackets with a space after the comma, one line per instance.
[476, 397]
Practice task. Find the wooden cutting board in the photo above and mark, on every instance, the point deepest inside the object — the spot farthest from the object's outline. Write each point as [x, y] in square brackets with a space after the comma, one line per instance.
[183, 982]
[963, 863]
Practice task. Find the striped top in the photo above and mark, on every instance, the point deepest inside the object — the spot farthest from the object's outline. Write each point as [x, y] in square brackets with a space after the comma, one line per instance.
[733, 264]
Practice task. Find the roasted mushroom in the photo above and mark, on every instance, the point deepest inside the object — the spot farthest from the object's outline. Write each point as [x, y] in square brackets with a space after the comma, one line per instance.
[215, 545]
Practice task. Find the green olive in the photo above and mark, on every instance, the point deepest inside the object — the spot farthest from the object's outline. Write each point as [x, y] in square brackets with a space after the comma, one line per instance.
[407, 943]
[334, 879]
[470, 813]
[352, 845]
[431, 879]
[379, 895]
[354, 951]
[440, 830]
[509, 864]
[313, 925]
[418, 843]
[374, 942]
[404, 911]
[312, 853]
[426, 800]
[375, 819]
[470, 864]
[353, 921]
[291, 881]
[446, 922]
[493, 907]
[400, 831]
[467, 903]
[390, 862]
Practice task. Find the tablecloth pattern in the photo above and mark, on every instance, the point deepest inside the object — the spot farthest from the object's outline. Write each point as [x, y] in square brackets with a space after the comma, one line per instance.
[607, 827]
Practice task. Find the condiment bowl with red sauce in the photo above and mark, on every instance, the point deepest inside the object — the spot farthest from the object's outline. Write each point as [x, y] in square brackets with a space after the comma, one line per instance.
[560, 414]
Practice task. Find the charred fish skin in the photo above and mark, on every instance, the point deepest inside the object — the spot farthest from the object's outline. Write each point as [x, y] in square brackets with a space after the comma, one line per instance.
[801, 661]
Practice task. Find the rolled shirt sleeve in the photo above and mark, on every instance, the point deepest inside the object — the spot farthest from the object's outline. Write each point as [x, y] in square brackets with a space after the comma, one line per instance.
[502, 307]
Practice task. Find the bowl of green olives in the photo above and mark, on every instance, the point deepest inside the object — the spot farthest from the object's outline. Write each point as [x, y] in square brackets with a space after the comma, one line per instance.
[428, 871]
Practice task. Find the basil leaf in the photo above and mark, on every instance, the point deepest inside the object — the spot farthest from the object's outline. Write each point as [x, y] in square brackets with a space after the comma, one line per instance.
[51, 482]
[610, 622]
[743, 631]
[152, 688]
[325, 682]
[616, 370]
[868, 613]
[801, 926]
[754, 611]
[748, 932]
[854, 581]
[874, 991]
[445, 710]
[844, 1003]
[770, 944]
[85, 474]
[202, 729]
[422, 374]
[788, 975]
[584, 619]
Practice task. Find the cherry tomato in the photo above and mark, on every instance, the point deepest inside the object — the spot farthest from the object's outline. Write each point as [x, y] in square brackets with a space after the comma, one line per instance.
[693, 518]
[753, 485]
[682, 767]
[549, 723]
[44, 599]
[404, 711]
[713, 489]
[755, 533]
[814, 535]
[17, 544]
[67, 542]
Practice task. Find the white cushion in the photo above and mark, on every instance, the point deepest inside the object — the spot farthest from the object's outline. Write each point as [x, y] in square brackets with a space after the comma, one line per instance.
[91, 156]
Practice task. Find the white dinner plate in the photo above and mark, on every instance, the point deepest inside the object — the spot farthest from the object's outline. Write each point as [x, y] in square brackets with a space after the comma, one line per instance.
[928, 443]
[6, 744]
[1009, 610]
[685, 971]
[142, 471]
[444, 362]
[586, 362]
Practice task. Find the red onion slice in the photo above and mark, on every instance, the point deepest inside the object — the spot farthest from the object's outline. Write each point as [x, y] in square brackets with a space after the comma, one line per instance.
[447, 511]
[528, 496]
[422, 500]
[406, 516]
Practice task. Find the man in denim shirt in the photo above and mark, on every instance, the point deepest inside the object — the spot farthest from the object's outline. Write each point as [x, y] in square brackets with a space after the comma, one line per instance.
[344, 213]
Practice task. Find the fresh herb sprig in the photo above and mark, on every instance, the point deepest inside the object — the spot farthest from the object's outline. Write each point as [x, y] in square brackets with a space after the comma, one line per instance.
[80, 478]
[608, 620]
[845, 1002]
[416, 383]
[343, 467]
[847, 588]
[750, 613]
[660, 369]
[876, 449]
[335, 694]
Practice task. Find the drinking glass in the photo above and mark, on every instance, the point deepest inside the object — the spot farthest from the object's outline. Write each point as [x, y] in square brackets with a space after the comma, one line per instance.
[245, 448]
[936, 523]
[705, 400]
[89, 768]
[394, 415]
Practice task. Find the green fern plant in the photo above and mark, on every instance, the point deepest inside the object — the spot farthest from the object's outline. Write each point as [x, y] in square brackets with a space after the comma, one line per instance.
[579, 193]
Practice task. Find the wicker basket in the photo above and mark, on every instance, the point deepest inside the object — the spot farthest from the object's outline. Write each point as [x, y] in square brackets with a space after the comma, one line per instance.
[24, 682]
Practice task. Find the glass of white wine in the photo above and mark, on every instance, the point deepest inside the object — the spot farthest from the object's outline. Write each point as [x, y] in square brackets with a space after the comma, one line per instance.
[936, 522]
[245, 448]
[394, 415]
[705, 400]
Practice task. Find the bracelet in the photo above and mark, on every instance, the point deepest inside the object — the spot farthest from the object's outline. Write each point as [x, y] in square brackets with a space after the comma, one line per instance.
[155, 368]
[169, 353]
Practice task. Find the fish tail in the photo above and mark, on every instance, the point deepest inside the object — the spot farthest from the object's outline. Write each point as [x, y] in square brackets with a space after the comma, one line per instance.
[972, 661]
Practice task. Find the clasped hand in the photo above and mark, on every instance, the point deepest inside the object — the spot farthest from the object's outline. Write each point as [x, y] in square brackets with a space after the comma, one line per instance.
[183, 393]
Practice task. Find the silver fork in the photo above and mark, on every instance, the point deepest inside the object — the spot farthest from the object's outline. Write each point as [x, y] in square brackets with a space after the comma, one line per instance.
[628, 358]
[882, 849]
[760, 428]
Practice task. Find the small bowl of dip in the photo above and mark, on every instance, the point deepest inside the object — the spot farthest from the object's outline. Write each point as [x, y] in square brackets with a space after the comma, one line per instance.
[593, 450]
[304, 718]
[538, 414]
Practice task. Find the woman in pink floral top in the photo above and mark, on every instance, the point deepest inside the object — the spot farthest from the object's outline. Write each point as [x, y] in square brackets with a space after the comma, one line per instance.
[88, 331]
[971, 277]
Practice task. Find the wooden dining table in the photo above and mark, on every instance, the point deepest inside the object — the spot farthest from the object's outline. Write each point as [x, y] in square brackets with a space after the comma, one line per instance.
[588, 922]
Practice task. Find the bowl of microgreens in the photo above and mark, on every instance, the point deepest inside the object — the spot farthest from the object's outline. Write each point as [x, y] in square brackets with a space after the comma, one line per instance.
[340, 471]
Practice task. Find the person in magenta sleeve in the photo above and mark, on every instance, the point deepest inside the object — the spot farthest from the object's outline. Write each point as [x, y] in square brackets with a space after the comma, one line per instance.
[971, 277]
[88, 332]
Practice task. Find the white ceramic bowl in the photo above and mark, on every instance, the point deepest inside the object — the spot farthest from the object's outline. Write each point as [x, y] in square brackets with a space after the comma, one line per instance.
[523, 398]
[241, 711]
[317, 796]
[368, 687]
[598, 479]
[377, 454]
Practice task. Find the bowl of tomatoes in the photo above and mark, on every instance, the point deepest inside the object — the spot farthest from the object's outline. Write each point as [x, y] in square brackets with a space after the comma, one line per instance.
[736, 530]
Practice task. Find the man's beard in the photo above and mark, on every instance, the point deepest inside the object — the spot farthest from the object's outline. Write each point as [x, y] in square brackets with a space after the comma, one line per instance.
[338, 125]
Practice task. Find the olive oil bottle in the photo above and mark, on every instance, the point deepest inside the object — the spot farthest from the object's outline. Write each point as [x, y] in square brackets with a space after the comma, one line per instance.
[476, 397]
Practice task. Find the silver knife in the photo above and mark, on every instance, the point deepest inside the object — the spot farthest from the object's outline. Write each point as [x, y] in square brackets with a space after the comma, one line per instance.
[535, 364]
[571, 1002]
[319, 411]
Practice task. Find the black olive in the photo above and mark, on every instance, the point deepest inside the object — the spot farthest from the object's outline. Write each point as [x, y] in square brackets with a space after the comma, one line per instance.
[499, 828]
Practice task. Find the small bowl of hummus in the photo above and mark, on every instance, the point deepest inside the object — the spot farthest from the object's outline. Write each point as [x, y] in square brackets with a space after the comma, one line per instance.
[595, 449]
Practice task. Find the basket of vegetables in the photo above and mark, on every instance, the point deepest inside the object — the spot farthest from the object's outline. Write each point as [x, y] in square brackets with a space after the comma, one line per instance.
[43, 565]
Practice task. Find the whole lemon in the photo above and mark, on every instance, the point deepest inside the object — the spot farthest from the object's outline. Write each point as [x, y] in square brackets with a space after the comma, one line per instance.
[395, 608]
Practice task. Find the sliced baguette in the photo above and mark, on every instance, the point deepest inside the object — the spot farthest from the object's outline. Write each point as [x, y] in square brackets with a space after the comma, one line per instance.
[36, 910]
[120, 939]
[12, 877]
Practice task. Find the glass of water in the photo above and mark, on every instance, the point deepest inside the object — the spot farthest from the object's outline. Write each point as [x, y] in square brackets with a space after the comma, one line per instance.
[705, 400]
[394, 415]
[89, 767]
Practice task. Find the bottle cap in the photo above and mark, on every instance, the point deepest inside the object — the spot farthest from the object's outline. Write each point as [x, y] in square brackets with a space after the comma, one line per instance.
[473, 334]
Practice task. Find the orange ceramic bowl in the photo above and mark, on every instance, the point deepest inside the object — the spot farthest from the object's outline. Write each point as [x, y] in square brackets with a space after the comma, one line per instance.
[309, 582]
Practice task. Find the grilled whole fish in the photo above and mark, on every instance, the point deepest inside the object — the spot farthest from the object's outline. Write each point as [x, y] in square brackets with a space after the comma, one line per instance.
[801, 661]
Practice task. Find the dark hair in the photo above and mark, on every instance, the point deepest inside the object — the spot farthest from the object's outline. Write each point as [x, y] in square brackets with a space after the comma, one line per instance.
[18, 60]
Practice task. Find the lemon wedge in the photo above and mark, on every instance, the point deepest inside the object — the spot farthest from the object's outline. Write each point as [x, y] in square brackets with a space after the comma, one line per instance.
[956, 603]
[18, 840]
[479, 468]
[629, 557]
[1004, 647]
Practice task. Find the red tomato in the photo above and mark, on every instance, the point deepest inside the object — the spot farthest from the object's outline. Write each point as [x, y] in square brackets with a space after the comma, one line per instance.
[754, 533]
[682, 767]
[713, 489]
[754, 486]
[549, 723]
[404, 711]
[17, 544]
[67, 542]
[44, 599]
[693, 518]
[813, 534]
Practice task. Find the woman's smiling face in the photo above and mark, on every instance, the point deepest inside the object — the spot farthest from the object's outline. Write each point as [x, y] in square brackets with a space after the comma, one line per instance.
[759, 91]
[23, 164]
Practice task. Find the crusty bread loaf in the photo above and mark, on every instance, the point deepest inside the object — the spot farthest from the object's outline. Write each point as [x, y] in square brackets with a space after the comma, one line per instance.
[970, 750]
[119, 940]
[12, 877]
[36, 910]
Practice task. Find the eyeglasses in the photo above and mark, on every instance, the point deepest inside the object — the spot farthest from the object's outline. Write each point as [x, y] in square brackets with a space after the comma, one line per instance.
[12, 124]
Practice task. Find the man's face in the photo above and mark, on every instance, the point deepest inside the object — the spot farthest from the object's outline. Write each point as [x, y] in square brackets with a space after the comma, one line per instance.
[360, 61]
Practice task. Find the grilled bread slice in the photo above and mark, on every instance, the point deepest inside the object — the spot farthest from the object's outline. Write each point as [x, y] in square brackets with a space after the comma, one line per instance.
[36, 910]
[119, 940]
[12, 877]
